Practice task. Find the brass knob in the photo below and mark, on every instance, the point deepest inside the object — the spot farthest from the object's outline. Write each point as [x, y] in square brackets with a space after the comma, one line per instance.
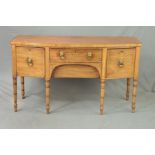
[29, 62]
[120, 64]
[62, 55]
[90, 55]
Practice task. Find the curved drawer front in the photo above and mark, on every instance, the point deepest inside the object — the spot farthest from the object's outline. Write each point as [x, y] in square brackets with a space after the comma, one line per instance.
[120, 63]
[30, 61]
[75, 55]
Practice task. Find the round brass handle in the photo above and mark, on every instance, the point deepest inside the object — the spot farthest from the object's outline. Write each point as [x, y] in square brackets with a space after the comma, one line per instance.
[29, 62]
[90, 55]
[121, 64]
[62, 55]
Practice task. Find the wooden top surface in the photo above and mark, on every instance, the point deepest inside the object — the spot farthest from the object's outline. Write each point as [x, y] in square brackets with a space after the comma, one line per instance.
[75, 41]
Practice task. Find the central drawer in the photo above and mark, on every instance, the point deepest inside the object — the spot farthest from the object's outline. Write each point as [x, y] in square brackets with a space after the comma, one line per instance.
[75, 55]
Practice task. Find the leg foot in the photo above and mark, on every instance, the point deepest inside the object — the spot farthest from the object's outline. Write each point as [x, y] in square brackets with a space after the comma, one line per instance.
[15, 108]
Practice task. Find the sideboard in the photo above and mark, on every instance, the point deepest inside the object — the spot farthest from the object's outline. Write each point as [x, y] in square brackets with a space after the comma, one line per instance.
[75, 57]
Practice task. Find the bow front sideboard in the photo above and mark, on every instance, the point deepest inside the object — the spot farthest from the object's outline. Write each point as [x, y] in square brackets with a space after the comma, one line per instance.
[75, 57]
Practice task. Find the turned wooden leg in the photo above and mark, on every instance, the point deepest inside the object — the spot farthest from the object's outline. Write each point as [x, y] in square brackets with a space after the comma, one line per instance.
[15, 93]
[102, 96]
[134, 95]
[47, 87]
[128, 88]
[22, 88]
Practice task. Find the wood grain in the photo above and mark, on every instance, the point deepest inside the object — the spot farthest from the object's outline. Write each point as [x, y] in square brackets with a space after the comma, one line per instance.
[47, 63]
[22, 87]
[15, 93]
[47, 94]
[75, 71]
[14, 75]
[74, 55]
[14, 61]
[116, 56]
[36, 55]
[103, 77]
[75, 41]
[135, 79]
[128, 88]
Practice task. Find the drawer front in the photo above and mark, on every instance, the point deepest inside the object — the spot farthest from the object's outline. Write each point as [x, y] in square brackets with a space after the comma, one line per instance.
[75, 55]
[30, 61]
[120, 63]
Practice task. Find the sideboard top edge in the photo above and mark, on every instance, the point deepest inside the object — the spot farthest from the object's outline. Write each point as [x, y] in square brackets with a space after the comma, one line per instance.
[76, 41]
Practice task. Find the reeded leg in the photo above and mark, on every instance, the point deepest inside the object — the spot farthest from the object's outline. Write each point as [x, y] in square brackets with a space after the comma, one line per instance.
[102, 96]
[47, 87]
[22, 88]
[15, 93]
[134, 95]
[128, 88]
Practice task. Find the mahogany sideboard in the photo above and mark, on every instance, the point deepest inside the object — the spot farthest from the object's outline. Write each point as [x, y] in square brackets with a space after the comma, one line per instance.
[75, 57]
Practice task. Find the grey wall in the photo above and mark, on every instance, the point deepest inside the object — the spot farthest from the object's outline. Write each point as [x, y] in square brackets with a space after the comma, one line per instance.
[145, 34]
